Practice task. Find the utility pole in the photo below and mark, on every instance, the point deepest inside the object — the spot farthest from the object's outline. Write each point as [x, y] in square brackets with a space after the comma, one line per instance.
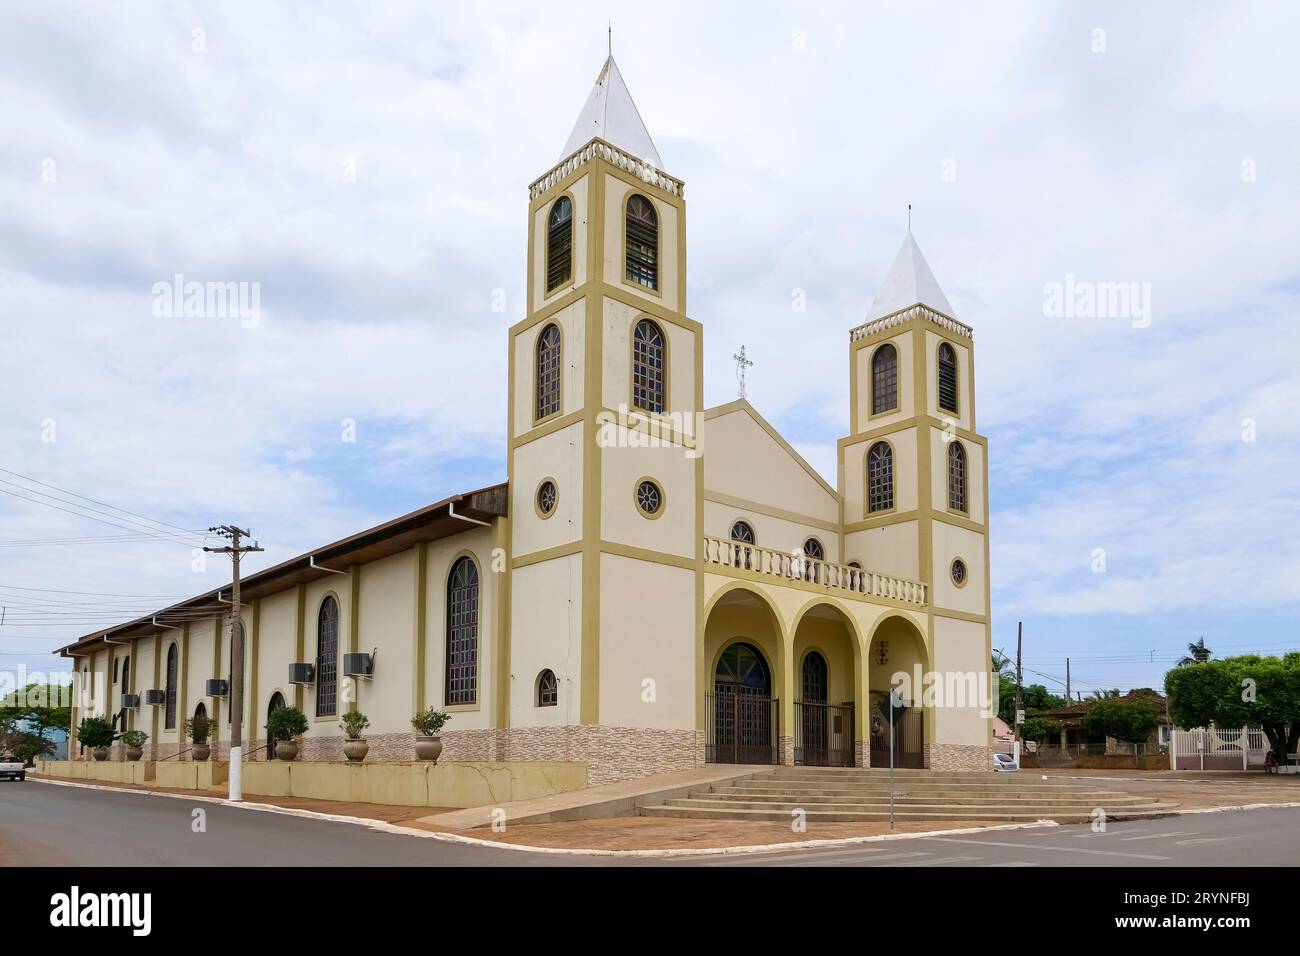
[1067, 680]
[236, 551]
[1019, 717]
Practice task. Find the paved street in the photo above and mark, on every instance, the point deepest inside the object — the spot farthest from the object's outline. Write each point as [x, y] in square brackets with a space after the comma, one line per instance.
[45, 824]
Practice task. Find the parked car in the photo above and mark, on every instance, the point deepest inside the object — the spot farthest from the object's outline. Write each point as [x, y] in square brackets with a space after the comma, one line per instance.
[1004, 762]
[11, 769]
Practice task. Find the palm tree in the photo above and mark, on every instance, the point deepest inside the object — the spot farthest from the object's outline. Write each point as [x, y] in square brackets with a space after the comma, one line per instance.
[1197, 653]
[1105, 694]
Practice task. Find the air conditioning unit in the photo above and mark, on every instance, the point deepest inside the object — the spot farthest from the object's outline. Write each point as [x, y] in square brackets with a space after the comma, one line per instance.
[302, 673]
[130, 701]
[218, 687]
[358, 665]
[155, 697]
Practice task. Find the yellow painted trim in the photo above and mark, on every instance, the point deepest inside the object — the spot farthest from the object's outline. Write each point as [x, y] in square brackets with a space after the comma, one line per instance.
[731, 501]
[547, 554]
[645, 554]
[882, 519]
[551, 426]
[420, 624]
[501, 653]
[300, 640]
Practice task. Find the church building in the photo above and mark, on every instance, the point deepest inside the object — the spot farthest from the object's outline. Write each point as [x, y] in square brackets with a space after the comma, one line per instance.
[656, 585]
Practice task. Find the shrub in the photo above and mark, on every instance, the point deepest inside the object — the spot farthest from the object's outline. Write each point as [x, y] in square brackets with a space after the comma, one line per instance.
[427, 723]
[198, 728]
[1039, 728]
[285, 723]
[353, 723]
[134, 738]
[96, 732]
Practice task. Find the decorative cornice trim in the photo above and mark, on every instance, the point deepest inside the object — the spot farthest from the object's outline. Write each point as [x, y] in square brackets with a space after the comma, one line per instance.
[599, 149]
[902, 316]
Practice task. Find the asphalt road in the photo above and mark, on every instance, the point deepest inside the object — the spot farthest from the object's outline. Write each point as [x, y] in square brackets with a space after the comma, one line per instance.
[48, 825]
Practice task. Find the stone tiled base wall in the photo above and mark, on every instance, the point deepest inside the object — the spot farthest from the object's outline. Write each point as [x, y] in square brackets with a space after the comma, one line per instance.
[610, 753]
[162, 751]
[787, 751]
[958, 757]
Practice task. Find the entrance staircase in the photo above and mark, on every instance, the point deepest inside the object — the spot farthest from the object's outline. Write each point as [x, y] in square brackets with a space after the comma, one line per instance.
[852, 795]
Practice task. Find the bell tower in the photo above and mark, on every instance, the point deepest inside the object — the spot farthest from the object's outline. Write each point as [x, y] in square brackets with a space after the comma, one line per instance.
[605, 470]
[914, 471]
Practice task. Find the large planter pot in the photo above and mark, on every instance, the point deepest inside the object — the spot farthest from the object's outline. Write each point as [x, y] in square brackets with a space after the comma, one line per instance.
[100, 753]
[428, 748]
[134, 753]
[202, 751]
[285, 750]
[356, 750]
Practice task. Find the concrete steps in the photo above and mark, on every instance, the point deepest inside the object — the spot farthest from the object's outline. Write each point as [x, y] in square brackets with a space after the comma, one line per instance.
[844, 795]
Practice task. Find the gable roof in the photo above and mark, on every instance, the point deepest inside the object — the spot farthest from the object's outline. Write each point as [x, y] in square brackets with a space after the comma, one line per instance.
[611, 115]
[742, 404]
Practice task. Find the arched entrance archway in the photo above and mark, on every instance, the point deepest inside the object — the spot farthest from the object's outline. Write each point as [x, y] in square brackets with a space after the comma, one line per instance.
[897, 659]
[744, 710]
[826, 687]
[277, 701]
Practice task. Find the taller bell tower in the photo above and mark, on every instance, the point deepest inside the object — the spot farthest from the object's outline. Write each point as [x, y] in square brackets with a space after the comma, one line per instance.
[914, 475]
[605, 473]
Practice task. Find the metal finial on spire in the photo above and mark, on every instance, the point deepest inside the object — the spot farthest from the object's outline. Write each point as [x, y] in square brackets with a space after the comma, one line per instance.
[742, 362]
[909, 217]
[611, 37]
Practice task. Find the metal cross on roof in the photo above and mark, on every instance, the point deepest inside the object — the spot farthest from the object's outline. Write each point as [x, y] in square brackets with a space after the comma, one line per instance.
[742, 362]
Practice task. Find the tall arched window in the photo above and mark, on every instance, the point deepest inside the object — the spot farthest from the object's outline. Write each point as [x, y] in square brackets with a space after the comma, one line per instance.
[559, 244]
[169, 712]
[642, 242]
[462, 633]
[880, 477]
[814, 679]
[548, 371]
[956, 476]
[327, 658]
[548, 689]
[126, 687]
[648, 367]
[947, 378]
[884, 380]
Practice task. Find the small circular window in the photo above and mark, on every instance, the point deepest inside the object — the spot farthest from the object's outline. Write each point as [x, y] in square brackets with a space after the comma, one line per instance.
[649, 498]
[547, 495]
[959, 572]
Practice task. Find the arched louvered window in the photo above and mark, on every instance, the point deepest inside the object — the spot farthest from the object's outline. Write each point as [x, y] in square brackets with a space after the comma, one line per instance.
[548, 371]
[880, 477]
[884, 380]
[169, 713]
[126, 688]
[947, 378]
[462, 633]
[642, 243]
[559, 244]
[742, 531]
[548, 689]
[956, 476]
[648, 367]
[812, 548]
[327, 658]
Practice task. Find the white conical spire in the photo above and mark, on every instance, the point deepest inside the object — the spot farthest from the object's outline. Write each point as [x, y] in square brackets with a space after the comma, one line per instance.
[611, 115]
[909, 281]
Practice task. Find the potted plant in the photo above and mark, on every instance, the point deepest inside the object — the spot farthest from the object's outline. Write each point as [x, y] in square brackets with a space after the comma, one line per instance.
[96, 733]
[284, 724]
[354, 745]
[134, 740]
[198, 728]
[427, 724]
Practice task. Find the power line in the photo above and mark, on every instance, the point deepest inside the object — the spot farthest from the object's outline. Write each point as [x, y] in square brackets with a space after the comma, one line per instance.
[16, 587]
[161, 535]
[46, 484]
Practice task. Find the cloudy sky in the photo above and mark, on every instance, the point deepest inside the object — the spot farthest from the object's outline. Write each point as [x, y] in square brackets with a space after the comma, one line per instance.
[367, 165]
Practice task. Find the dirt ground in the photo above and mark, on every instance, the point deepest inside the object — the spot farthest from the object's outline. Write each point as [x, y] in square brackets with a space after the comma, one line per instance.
[1192, 791]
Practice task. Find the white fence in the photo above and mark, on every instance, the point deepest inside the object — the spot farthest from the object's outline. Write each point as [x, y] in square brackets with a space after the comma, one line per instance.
[1217, 748]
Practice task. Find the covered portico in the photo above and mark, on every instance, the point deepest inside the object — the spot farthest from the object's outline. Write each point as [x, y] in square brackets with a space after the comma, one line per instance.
[785, 675]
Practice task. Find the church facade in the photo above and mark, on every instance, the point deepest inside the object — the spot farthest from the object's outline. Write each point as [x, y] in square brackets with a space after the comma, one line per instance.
[657, 584]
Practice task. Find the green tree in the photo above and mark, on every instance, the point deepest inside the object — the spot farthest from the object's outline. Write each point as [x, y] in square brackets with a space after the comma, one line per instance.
[1197, 653]
[1238, 692]
[1130, 720]
[1039, 728]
